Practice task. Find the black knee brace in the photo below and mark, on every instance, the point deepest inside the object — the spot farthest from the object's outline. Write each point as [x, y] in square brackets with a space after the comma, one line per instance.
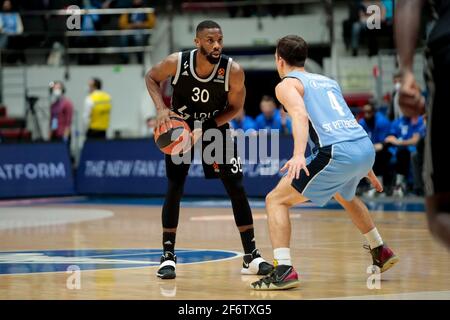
[241, 208]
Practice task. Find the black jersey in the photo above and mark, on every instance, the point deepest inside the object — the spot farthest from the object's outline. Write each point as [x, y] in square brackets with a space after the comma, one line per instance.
[196, 98]
[440, 34]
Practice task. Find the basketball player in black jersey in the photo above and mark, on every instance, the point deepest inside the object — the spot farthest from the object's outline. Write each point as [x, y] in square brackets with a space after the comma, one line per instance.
[208, 89]
[436, 169]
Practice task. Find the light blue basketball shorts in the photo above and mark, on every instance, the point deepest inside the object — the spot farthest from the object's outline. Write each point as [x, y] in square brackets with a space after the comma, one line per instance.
[336, 169]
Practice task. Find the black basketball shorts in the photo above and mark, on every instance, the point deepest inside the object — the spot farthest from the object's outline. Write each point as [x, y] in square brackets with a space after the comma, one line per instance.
[218, 160]
[436, 168]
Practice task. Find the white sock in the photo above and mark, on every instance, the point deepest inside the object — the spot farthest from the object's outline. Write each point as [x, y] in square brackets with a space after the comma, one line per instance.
[374, 238]
[282, 256]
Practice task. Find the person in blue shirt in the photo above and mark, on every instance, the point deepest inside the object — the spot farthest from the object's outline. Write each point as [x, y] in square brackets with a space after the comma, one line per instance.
[10, 23]
[378, 127]
[403, 137]
[271, 117]
[242, 121]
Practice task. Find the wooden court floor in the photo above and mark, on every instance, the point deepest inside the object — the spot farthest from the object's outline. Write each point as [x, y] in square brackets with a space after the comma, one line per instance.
[327, 252]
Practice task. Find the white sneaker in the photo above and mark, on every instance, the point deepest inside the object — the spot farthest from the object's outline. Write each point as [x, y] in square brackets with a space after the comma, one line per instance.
[254, 264]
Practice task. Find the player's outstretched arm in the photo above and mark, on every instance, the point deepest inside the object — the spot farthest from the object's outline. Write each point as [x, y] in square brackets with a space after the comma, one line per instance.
[236, 95]
[289, 93]
[158, 73]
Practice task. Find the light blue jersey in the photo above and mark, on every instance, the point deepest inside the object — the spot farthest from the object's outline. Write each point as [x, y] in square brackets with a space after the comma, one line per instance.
[342, 153]
[331, 120]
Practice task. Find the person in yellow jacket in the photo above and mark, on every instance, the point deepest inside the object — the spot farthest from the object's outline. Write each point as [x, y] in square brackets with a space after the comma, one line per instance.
[97, 110]
[135, 21]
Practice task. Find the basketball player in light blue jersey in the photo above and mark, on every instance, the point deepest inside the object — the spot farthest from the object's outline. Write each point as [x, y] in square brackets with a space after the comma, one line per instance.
[342, 154]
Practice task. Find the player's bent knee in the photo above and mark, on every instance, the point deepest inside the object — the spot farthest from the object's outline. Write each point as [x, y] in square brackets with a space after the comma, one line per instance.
[272, 198]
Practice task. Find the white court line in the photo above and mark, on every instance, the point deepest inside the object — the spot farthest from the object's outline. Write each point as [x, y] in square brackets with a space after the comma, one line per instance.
[420, 295]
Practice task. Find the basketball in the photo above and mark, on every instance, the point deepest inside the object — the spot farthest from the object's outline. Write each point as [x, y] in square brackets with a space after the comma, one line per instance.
[176, 140]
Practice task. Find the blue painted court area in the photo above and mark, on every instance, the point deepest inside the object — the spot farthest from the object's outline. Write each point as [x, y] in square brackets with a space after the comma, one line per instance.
[376, 204]
[23, 262]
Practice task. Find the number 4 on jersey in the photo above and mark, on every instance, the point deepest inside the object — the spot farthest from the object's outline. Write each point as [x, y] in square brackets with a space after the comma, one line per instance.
[335, 104]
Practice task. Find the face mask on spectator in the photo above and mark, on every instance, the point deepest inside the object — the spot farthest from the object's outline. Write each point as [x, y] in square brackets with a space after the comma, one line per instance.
[397, 86]
[57, 93]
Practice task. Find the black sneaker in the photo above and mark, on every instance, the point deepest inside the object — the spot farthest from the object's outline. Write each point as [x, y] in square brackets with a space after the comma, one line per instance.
[255, 264]
[167, 267]
[282, 277]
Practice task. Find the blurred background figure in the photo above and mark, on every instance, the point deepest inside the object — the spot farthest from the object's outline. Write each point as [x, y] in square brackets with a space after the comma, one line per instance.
[242, 121]
[89, 24]
[10, 24]
[97, 110]
[61, 113]
[150, 124]
[394, 111]
[135, 21]
[377, 127]
[360, 27]
[403, 137]
[270, 117]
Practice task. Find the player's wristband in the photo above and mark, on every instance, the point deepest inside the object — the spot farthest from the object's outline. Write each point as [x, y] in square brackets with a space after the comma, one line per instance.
[209, 124]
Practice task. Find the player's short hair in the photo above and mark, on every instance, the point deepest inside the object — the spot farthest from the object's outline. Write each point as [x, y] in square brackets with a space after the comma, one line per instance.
[293, 49]
[97, 83]
[207, 24]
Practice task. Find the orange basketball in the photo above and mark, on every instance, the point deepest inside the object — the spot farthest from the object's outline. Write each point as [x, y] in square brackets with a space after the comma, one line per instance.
[176, 140]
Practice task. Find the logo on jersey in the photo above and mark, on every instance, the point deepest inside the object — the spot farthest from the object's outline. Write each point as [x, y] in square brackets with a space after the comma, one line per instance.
[221, 73]
[313, 84]
[185, 116]
[20, 262]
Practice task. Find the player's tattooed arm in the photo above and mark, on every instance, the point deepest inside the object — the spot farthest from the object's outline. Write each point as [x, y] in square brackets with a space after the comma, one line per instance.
[236, 95]
[158, 73]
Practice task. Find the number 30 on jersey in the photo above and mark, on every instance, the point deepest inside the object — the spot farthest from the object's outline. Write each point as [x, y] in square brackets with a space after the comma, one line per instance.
[200, 95]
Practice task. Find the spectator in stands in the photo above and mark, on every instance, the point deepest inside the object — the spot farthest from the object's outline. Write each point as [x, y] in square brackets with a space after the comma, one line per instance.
[361, 25]
[245, 11]
[61, 111]
[403, 137]
[347, 24]
[394, 111]
[10, 24]
[377, 127]
[97, 110]
[242, 121]
[270, 118]
[136, 21]
[90, 23]
[150, 124]
[389, 13]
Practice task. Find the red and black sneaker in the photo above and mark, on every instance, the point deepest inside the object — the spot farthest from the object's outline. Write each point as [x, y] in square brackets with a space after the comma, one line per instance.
[382, 257]
[281, 278]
